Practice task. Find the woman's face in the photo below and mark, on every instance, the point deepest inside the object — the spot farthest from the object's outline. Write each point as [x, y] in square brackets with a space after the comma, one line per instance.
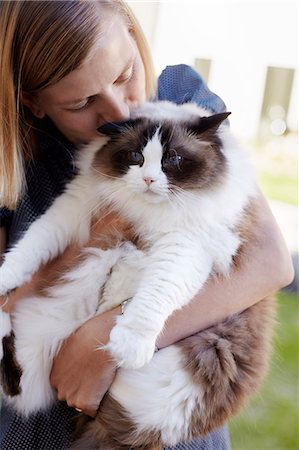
[103, 89]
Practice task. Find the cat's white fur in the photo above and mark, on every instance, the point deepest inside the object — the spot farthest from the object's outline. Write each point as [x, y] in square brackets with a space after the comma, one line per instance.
[187, 239]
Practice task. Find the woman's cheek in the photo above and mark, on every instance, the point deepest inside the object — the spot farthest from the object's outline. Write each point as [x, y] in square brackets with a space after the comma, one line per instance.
[79, 128]
[84, 123]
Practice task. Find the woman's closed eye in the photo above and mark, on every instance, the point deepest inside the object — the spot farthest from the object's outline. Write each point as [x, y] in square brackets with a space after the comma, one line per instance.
[125, 76]
[83, 105]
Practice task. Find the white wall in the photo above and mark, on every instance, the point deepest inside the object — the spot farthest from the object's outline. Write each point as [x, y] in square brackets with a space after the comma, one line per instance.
[241, 37]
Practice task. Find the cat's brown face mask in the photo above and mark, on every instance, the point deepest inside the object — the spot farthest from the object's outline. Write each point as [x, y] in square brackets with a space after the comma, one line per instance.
[190, 153]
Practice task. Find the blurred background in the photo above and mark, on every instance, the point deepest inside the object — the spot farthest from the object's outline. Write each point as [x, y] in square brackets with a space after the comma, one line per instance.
[247, 51]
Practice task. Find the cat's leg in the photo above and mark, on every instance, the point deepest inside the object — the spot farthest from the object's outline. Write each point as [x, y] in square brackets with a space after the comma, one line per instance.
[48, 236]
[35, 391]
[173, 275]
[69, 302]
[36, 338]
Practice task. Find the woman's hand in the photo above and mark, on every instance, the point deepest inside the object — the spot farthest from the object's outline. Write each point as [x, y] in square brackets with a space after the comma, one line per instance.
[81, 372]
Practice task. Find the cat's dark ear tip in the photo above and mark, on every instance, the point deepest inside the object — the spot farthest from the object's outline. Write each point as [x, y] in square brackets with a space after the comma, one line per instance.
[115, 128]
[108, 129]
[226, 114]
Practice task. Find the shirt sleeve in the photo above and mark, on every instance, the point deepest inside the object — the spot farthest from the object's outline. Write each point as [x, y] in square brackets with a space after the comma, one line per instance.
[182, 84]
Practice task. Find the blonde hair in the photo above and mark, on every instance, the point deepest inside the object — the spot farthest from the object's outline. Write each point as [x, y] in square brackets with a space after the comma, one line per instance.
[40, 43]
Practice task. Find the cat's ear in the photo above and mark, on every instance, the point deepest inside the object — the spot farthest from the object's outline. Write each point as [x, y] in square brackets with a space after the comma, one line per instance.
[116, 128]
[210, 122]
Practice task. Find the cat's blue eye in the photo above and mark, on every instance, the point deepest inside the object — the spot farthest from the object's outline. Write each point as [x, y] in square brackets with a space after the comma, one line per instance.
[172, 159]
[135, 158]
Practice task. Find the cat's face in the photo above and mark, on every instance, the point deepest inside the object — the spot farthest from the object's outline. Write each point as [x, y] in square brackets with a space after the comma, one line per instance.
[159, 160]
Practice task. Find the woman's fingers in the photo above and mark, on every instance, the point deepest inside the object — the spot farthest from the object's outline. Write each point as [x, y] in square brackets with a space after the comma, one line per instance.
[82, 373]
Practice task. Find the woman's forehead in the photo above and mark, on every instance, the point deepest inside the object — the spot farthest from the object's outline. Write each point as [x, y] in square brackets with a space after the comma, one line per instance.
[112, 54]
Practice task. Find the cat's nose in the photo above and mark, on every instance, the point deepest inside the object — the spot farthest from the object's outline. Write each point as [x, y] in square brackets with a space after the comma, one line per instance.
[148, 181]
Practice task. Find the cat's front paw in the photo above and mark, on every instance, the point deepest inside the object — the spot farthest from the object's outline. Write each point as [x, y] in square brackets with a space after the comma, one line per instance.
[8, 280]
[130, 349]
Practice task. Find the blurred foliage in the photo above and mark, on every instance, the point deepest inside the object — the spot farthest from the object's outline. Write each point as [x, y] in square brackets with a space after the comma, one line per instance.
[271, 421]
[276, 164]
[279, 187]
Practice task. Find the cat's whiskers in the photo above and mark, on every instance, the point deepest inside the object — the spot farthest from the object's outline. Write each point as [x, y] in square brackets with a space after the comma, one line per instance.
[178, 202]
[105, 174]
[103, 216]
[90, 212]
[178, 194]
[108, 198]
[175, 191]
[175, 188]
[111, 203]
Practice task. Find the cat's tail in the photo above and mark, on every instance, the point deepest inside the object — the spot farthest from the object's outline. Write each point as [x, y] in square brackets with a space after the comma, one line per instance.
[229, 361]
[5, 329]
[10, 372]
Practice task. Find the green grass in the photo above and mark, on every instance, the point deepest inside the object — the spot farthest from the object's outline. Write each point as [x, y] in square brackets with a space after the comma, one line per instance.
[276, 164]
[279, 187]
[271, 421]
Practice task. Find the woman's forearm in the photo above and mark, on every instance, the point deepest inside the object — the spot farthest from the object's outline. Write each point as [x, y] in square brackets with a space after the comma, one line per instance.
[266, 268]
[38, 279]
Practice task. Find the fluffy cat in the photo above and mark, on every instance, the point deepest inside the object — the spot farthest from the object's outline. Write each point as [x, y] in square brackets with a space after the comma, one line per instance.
[178, 176]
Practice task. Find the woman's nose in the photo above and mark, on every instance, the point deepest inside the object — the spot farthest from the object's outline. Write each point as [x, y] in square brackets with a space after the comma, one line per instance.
[114, 109]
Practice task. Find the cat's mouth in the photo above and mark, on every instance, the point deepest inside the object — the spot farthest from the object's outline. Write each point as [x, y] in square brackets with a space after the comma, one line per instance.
[152, 196]
[150, 192]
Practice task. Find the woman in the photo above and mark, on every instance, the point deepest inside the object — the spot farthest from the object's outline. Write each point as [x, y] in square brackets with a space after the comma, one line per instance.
[66, 68]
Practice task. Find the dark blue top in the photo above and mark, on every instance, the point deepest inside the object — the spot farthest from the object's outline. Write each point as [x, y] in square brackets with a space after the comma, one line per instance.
[182, 84]
[46, 178]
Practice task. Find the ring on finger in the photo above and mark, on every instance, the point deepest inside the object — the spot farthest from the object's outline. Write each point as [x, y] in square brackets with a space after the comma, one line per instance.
[6, 300]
